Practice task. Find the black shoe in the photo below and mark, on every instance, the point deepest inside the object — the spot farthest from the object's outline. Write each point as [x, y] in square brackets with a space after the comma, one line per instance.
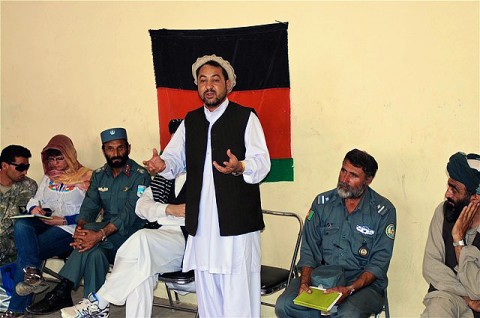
[60, 297]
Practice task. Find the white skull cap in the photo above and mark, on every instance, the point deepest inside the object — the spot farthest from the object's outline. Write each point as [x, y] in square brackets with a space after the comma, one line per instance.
[223, 63]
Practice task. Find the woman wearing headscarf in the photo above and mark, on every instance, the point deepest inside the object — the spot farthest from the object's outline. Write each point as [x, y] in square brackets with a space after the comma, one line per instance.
[59, 195]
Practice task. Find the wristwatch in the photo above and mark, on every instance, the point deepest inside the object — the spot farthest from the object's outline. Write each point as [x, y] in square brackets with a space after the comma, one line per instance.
[459, 243]
[236, 174]
[351, 290]
[104, 236]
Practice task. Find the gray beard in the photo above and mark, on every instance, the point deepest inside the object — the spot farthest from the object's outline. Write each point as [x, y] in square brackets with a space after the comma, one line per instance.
[350, 193]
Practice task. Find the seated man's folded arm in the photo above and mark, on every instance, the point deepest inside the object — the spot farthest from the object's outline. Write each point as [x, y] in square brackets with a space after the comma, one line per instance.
[469, 271]
[435, 271]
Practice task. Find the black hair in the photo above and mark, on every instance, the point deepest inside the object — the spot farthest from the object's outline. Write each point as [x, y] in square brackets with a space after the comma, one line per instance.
[52, 153]
[173, 125]
[361, 159]
[10, 152]
[216, 64]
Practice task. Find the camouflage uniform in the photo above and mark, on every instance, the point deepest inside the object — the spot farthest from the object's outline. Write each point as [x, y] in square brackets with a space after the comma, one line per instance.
[13, 202]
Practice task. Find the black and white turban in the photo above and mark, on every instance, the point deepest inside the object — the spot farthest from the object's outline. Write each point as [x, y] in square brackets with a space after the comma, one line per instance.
[466, 170]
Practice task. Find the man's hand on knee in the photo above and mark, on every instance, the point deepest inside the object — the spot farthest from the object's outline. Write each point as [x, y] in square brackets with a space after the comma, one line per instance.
[84, 240]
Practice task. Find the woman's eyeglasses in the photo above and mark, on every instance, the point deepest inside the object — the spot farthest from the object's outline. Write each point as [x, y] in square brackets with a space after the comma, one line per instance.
[21, 167]
[55, 159]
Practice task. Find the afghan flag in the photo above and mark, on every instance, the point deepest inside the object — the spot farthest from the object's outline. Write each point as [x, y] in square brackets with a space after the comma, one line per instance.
[259, 56]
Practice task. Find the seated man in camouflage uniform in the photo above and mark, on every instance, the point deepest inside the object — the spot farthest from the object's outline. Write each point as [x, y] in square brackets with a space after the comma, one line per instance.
[15, 191]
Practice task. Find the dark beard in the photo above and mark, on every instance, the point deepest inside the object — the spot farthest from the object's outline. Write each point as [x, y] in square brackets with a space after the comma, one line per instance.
[214, 103]
[453, 210]
[117, 164]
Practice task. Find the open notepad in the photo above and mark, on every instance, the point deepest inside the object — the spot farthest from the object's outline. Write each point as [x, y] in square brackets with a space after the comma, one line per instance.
[31, 216]
[317, 299]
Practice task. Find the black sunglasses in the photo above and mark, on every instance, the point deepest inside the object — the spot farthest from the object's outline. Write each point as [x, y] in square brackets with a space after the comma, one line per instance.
[20, 166]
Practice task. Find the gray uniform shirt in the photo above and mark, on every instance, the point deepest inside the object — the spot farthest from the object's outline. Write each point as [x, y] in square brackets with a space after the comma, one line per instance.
[356, 242]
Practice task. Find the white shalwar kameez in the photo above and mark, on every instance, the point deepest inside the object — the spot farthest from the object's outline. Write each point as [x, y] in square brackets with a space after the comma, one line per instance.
[145, 254]
[227, 268]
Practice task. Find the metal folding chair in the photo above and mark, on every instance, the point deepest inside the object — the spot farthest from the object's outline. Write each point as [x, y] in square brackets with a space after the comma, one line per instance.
[385, 308]
[178, 280]
[54, 275]
[274, 278]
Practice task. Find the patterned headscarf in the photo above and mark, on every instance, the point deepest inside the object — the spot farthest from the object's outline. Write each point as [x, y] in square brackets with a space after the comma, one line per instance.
[465, 169]
[75, 174]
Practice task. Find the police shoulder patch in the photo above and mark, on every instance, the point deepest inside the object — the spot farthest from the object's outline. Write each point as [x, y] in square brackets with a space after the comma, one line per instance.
[140, 190]
[310, 214]
[390, 231]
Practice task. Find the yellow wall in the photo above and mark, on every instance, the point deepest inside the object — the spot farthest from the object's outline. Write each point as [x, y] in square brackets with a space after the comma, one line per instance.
[398, 79]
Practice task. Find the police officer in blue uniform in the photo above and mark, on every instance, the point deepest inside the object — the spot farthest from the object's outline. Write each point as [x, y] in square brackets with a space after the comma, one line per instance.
[352, 230]
[114, 191]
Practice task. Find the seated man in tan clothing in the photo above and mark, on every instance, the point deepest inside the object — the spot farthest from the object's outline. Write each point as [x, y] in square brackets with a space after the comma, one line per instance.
[452, 255]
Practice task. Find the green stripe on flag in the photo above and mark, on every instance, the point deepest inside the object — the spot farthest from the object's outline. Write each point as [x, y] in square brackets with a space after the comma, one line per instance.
[281, 170]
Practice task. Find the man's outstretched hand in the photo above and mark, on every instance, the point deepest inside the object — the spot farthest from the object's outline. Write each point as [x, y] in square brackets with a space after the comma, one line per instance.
[155, 164]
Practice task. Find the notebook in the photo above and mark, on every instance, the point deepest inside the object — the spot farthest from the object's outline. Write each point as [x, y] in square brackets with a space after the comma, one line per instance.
[317, 299]
[31, 216]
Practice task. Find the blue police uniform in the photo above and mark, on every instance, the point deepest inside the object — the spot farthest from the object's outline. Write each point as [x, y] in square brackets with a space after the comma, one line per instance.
[356, 242]
[117, 197]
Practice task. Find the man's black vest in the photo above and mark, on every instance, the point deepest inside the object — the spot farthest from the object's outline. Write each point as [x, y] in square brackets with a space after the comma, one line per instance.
[238, 203]
[450, 256]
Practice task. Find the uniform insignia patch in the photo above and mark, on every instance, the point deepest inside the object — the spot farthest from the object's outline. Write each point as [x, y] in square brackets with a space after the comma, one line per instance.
[390, 231]
[310, 214]
[140, 190]
[103, 189]
[363, 251]
[125, 189]
[365, 230]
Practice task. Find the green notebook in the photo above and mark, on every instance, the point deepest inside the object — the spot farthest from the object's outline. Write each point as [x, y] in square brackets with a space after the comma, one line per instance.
[317, 299]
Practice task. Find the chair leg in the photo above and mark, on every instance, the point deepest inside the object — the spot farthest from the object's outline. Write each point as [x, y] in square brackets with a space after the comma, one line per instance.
[386, 308]
[169, 294]
[175, 305]
[177, 299]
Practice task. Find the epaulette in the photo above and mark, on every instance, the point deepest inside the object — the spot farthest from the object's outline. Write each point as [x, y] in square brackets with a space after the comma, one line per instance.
[141, 170]
[100, 169]
[381, 209]
[324, 198]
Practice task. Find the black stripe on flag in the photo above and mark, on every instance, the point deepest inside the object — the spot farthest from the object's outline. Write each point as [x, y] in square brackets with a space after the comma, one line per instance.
[259, 55]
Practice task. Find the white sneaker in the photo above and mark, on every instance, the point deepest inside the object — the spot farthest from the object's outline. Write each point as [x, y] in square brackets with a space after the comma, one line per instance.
[87, 308]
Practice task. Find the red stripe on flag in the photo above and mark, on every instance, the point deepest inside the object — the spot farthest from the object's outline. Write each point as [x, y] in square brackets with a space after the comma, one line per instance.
[272, 106]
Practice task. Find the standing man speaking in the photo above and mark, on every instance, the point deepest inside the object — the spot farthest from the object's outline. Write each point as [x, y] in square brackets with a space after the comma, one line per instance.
[222, 147]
